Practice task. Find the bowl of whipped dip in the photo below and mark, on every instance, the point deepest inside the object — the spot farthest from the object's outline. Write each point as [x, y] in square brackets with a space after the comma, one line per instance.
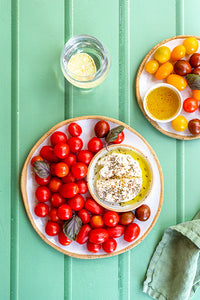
[120, 178]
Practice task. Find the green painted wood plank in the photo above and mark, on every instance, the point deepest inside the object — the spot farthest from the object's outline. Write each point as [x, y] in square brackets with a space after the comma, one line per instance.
[5, 148]
[41, 105]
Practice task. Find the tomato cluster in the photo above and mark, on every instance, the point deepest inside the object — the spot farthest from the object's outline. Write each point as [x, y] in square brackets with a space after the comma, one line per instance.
[165, 63]
[64, 193]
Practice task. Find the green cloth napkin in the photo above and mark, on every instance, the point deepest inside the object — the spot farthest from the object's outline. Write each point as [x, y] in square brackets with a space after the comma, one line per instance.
[174, 270]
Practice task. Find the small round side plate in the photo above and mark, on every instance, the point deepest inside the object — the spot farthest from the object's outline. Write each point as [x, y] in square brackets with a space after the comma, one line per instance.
[132, 138]
[144, 81]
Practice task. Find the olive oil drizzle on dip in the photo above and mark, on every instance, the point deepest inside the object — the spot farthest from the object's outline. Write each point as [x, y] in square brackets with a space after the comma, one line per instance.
[145, 172]
[162, 103]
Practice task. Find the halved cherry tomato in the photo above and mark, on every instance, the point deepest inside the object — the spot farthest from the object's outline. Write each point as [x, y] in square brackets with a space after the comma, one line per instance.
[95, 145]
[42, 181]
[54, 184]
[53, 215]
[98, 235]
[64, 212]
[115, 231]
[70, 159]
[79, 170]
[82, 185]
[61, 169]
[84, 216]
[58, 137]
[57, 200]
[74, 129]
[83, 234]
[111, 218]
[61, 150]
[47, 152]
[42, 193]
[96, 221]
[119, 139]
[190, 105]
[41, 210]
[63, 239]
[69, 190]
[85, 156]
[36, 158]
[94, 248]
[52, 228]
[110, 245]
[92, 206]
[132, 231]
[77, 202]
[75, 144]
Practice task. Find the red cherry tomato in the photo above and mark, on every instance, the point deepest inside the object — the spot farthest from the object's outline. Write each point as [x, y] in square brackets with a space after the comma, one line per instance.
[119, 139]
[85, 156]
[57, 200]
[64, 212]
[110, 245]
[70, 159]
[74, 129]
[61, 150]
[98, 235]
[111, 218]
[77, 202]
[92, 206]
[116, 231]
[82, 236]
[75, 144]
[132, 231]
[79, 170]
[41, 210]
[101, 128]
[47, 152]
[69, 178]
[63, 239]
[36, 158]
[94, 248]
[42, 193]
[54, 184]
[95, 144]
[42, 181]
[190, 105]
[52, 228]
[82, 185]
[58, 137]
[53, 215]
[69, 190]
[61, 169]
[96, 221]
[52, 169]
[84, 216]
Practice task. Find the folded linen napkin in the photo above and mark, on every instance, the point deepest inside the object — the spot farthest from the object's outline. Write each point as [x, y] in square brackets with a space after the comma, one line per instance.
[174, 270]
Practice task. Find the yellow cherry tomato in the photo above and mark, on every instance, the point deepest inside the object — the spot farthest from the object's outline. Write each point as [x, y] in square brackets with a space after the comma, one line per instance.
[178, 81]
[178, 52]
[180, 123]
[162, 54]
[196, 94]
[151, 66]
[191, 45]
[164, 70]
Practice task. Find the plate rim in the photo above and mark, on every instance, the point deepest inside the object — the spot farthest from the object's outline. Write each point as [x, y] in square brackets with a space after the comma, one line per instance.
[23, 184]
[139, 98]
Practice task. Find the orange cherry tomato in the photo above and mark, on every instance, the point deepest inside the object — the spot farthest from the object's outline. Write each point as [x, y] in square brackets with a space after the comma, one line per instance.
[164, 70]
[152, 66]
[178, 52]
[177, 81]
[196, 94]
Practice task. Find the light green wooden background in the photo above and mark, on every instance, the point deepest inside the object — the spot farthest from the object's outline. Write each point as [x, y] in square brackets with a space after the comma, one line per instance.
[34, 97]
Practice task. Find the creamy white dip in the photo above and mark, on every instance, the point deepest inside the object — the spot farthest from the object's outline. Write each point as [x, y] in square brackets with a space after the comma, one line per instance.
[120, 177]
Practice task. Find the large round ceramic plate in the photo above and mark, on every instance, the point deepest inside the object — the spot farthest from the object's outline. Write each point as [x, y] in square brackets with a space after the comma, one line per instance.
[154, 200]
[145, 81]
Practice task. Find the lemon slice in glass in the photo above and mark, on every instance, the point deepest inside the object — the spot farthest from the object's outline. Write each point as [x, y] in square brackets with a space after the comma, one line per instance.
[82, 66]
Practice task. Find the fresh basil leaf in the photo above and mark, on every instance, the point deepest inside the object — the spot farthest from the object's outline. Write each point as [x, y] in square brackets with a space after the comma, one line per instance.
[193, 81]
[113, 134]
[72, 227]
[41, 168]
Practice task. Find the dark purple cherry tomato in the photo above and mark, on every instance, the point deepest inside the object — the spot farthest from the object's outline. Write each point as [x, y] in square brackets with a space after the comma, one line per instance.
[195, 60]
[194, 126]
[182, 67]
[101, 129]
[196, 71]
[143, 212]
